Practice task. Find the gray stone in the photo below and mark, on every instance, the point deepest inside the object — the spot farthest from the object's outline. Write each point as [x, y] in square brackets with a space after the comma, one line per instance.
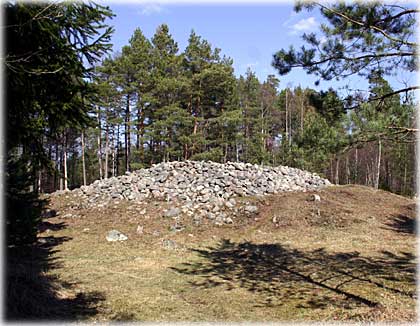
[169, 244]
[198, 182]
[228, 220]
[205, 191]
[115, 235]
[176, 228]
[251, 209]
[172, 212]
[216, 208]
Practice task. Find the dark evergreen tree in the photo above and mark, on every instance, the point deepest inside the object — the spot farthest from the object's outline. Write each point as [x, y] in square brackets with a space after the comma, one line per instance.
[46, 78]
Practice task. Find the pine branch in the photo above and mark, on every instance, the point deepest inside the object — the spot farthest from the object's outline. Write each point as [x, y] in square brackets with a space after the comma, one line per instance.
[366, 56]
[382, 97]
[362, 24]
[402, 13]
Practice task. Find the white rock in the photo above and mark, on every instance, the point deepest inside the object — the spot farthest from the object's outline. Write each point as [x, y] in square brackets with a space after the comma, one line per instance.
[115, 235]
[316, 197]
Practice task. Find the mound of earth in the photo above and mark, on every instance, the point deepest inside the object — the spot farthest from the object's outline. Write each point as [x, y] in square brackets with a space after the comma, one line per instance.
[349, 256]
[199, 189]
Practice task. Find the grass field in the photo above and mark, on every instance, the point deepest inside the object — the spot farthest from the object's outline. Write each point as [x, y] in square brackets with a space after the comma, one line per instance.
[349, 257]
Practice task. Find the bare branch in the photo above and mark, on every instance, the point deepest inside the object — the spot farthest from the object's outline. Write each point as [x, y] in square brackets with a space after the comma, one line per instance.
[404, 129]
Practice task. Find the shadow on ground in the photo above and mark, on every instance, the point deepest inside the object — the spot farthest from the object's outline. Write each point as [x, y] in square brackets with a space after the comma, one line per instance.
[310, 279]
[34, 295]
[402, 224]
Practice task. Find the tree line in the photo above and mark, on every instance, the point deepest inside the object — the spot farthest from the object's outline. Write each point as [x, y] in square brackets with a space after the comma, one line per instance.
[155, 103]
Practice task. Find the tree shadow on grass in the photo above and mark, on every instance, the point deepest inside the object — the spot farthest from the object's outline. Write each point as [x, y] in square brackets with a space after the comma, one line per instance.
[45, 225]
[34, 295]
[311, 279]
[402, 224]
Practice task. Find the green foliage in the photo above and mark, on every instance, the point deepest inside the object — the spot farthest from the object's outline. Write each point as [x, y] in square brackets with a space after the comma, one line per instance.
[44, 66]
[372, 121]
[214, 154]
[362, 37]
[328, 105]
[23, 208]
[189, 105]
[313, 147]
[46, 46]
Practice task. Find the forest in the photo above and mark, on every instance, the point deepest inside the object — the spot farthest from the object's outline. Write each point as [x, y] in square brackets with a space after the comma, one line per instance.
[155, 103]
[77, 112]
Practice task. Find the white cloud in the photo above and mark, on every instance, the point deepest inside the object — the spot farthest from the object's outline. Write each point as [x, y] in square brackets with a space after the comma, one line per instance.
[304, 25]
[291, 18]
[150, 9]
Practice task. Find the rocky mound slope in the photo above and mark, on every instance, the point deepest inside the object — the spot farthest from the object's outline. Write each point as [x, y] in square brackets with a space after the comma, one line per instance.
[205, 189]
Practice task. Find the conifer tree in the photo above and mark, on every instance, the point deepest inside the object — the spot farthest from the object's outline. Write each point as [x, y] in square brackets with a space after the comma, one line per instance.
[46, 77]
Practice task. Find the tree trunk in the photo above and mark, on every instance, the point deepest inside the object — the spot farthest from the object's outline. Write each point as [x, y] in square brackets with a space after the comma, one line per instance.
[347, 170]
[185, 152]
[290, 126]
[152, 151]
[127, 134]
[57, 172]
[39, 189]
[117, 151]
[138, 126]
[367, 179]
[47, 177]
[301, 110]
[287, 118]
[246, 138]
[337, 170]
[113, 151]
[356, 166]
[332, 169]
[237, 150]
[83, 159]
[65, 162]
[262, 127]
[378, 165]
[99, 143]
[106, 150]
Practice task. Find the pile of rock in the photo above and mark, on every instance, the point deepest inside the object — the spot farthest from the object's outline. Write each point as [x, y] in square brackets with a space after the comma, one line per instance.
[201, 189]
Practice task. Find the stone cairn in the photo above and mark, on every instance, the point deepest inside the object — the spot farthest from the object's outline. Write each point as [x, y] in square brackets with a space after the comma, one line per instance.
[200, 189]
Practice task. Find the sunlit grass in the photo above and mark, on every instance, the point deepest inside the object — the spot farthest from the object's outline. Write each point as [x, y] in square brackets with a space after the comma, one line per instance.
[350, 262]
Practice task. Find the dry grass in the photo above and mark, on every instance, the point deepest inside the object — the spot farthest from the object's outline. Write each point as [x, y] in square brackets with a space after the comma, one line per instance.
[349, 257]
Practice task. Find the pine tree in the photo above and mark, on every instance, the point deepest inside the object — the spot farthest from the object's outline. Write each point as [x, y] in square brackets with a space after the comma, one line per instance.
[46, 78]
[362, 38]
[166, 94]
[140, 57]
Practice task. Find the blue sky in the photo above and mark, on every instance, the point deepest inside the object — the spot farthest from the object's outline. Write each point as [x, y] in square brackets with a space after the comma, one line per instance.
[249, 33]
